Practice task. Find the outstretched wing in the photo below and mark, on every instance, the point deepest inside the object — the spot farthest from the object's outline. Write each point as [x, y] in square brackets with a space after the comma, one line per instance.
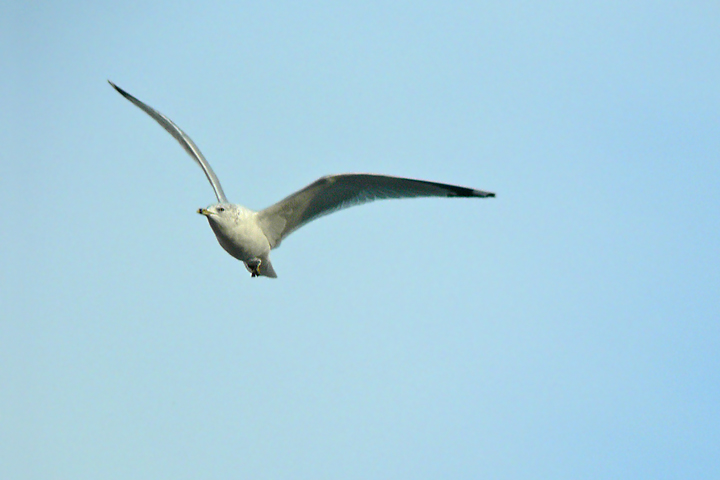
[335, 192]
[181, 137]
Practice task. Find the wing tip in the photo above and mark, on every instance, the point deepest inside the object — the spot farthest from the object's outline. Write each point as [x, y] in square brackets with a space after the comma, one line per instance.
[469, 192]
[120, 90]
[482, 194]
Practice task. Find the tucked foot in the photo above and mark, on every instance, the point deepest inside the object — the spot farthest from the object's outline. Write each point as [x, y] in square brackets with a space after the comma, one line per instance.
[254, 267]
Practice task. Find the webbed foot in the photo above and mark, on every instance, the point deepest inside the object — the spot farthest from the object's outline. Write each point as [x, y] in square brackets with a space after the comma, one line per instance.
[254, 267]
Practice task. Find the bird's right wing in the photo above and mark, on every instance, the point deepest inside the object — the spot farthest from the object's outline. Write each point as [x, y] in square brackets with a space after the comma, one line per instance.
[335, 192]
[181, 137]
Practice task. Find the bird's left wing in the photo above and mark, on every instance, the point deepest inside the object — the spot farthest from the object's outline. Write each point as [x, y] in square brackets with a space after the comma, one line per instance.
[335, 192]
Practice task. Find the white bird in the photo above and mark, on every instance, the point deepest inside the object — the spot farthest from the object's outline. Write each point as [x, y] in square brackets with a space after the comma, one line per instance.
[249, 236]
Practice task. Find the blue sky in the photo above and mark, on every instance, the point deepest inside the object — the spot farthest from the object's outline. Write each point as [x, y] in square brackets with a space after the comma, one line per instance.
[566, 329]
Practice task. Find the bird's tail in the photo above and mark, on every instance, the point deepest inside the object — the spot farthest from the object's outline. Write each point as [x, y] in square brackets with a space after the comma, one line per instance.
[266, 268]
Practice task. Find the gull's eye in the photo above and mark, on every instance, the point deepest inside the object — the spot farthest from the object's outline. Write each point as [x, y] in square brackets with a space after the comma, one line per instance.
[220, 209]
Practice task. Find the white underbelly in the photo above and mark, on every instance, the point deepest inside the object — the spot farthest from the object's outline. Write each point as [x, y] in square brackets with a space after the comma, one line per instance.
[244, 241]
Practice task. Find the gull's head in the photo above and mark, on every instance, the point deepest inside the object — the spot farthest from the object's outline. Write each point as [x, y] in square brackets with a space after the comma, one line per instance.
[220, 213]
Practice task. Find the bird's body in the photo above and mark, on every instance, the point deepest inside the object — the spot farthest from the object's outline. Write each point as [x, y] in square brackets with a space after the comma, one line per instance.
[239, 232]
[249, 236]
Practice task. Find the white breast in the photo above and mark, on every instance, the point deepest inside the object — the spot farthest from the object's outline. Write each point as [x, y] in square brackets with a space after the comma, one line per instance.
[242, 238]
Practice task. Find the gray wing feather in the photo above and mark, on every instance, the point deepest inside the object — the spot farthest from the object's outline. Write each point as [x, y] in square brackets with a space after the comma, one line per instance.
[181, 137]
[335, 192]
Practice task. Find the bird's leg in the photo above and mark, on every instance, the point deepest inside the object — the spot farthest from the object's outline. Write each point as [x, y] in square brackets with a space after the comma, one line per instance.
[254, 267]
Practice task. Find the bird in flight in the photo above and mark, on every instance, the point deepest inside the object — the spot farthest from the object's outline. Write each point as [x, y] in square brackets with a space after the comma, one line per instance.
[249, 236]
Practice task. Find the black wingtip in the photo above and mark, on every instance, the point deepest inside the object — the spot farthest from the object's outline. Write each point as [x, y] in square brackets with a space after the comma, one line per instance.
[120, 90]
[468, 192]
[479, 194]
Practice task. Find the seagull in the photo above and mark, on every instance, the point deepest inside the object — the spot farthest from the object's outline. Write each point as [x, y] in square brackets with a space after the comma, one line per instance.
[249, 236]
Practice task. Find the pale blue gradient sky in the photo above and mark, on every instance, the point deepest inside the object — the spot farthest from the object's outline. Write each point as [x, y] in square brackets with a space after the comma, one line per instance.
[567, 329]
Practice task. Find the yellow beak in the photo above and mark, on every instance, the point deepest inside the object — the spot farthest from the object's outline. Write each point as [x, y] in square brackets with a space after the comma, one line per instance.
[203, 211]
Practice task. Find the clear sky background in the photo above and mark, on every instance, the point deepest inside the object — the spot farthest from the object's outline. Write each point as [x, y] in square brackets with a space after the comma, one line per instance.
[569, 328]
